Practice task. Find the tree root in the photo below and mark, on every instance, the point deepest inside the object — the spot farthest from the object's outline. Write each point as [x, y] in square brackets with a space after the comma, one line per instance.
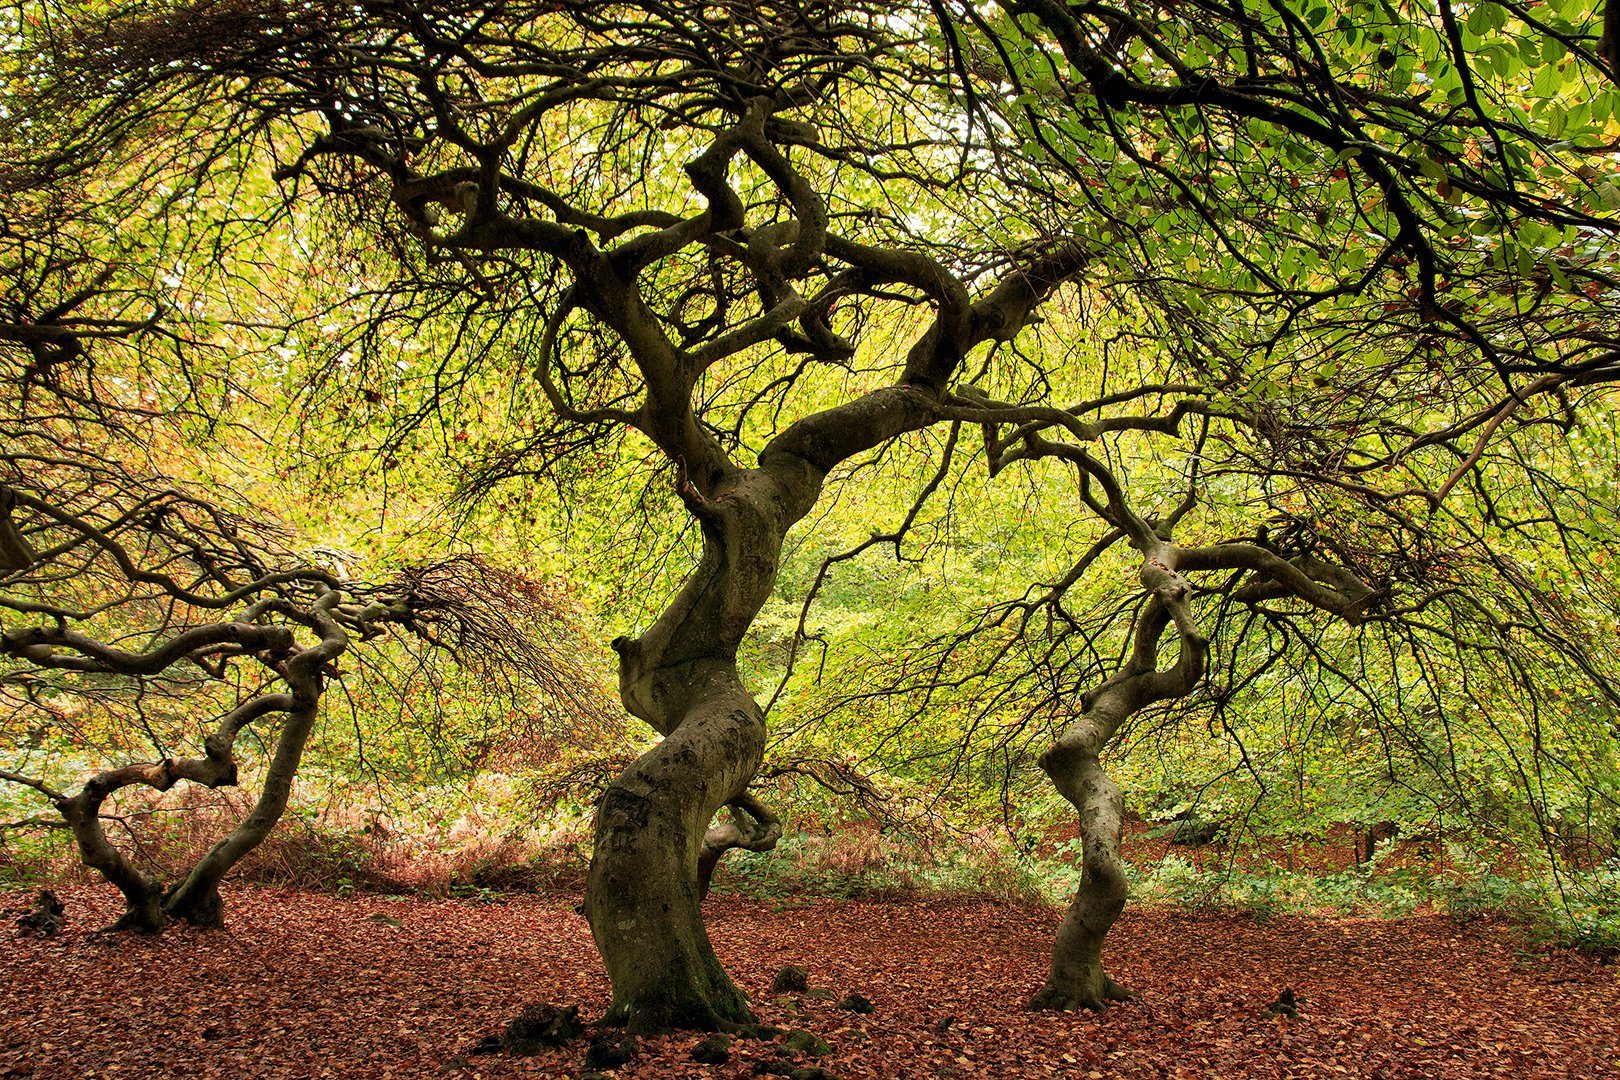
[205, 909]
[137, 922]
[1073, 999]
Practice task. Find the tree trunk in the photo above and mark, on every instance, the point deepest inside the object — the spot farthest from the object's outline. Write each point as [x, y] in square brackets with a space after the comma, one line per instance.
[143, 913]
[196, 898]
[143, 895]
[643, 894]
[644, 891]
[1077, 979]
[654, 849]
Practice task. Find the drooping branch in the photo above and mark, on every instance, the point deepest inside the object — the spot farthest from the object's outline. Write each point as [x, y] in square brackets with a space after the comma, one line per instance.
[751, 827]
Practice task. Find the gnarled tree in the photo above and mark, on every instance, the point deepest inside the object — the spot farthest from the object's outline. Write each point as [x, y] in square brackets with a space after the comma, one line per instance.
[138, 600]
[130, 603]
[1354, 269]
[770, 240]
[702, 187]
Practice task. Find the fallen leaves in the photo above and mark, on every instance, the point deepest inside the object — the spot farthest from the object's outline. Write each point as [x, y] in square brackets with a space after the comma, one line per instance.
[308, 985]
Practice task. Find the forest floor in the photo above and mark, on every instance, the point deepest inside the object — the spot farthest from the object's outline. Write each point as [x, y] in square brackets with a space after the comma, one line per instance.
[308, 985]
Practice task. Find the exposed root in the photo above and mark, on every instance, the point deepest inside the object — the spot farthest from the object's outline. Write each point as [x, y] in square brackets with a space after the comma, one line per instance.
[206, 911]
[137, 922]
[1072, 999]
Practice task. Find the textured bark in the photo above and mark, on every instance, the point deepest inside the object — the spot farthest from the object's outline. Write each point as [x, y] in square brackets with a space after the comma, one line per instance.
[143, 895]
[643, 893]
[644, 889]
[16, 553]
[1077, 979]
[196, 898]
[645, 886]
[144, 901]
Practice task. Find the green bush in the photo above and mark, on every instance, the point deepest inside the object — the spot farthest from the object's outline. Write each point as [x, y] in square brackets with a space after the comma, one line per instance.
[861, 861]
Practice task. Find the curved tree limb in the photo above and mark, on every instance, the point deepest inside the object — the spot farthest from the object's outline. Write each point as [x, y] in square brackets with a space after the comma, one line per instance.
[752, 827]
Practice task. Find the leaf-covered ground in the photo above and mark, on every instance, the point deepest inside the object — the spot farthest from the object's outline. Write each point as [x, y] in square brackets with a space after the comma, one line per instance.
[310, 985]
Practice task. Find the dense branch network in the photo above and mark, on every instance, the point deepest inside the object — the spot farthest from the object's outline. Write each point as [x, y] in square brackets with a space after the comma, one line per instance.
[126, 601]
[1290, 292]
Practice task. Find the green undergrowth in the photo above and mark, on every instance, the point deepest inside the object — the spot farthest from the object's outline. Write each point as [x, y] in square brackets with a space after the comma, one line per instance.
[858, 864]
[437, 852]
[1578, 908]
[1575, 908]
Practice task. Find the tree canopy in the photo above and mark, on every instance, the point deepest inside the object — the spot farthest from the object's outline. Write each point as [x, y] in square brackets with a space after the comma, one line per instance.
[1301, 317]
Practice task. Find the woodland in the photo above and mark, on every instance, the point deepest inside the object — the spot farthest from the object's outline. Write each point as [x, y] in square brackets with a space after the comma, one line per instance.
[675, 532]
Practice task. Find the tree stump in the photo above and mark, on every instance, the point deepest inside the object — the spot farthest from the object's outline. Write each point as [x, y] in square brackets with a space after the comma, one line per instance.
[45, 917]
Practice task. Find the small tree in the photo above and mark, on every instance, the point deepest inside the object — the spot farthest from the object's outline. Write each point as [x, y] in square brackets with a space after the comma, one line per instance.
[127, 598]
[1357, 269]
[100, 621]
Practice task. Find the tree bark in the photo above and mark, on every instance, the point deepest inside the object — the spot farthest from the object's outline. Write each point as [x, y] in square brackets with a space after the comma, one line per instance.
[147, 907]
[1077, 979]
[752, 827]
[196, 898]
[16, 553]
[644, 890]
[645, 884]
[143, 895]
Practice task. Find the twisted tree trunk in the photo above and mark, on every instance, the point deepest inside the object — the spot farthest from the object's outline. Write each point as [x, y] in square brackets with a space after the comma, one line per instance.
[644, 889]
[143, 894]
[147, 907]
[654, 849]
[196, 898]
[643, 893]
[1077, 979]
[645, 883]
